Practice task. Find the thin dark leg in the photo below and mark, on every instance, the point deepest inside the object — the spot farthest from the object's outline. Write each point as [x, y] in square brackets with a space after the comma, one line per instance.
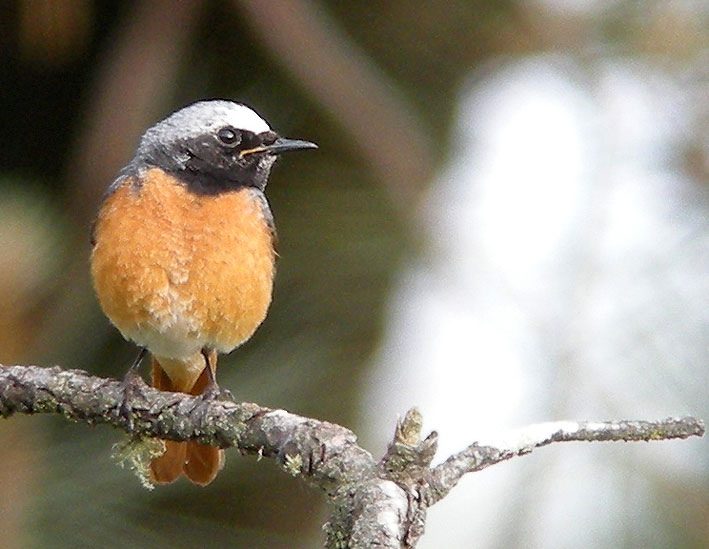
[133, 370]
[212, 391]
[212, 380]
[132, 385]
[136, 363]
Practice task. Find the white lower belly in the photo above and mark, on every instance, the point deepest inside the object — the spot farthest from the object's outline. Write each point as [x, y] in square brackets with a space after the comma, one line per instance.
[174, 333]
[174, 343]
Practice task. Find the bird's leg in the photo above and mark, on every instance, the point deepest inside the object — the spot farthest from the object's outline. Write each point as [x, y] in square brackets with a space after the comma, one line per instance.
[212, 391]
[133, 370]
[132, 386]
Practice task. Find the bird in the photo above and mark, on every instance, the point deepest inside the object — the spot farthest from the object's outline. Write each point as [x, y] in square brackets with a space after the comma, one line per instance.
[183, 257]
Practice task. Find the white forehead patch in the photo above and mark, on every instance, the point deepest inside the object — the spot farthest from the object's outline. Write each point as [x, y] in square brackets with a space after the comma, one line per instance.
[203, 118]
[243, 118]
[210, 115]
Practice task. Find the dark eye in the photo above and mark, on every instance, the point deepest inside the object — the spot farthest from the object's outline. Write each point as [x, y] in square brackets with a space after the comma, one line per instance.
[228, 136]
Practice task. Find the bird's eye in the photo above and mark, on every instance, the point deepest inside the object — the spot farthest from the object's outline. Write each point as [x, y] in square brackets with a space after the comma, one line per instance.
[228, 136]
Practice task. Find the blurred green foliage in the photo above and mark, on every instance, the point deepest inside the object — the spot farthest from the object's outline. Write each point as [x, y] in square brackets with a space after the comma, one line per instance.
[343, 234]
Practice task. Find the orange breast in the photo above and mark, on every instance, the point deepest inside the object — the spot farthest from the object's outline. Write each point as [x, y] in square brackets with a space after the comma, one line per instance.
[177, 271]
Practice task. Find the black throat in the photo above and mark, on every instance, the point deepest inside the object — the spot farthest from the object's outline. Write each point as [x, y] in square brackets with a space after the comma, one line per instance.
[207, 180]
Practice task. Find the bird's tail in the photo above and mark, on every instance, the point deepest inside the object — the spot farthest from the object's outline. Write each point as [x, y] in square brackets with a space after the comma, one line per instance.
[200, 463]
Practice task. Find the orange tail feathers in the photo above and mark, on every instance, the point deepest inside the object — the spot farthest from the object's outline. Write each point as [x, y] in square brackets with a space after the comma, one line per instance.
[200, 463]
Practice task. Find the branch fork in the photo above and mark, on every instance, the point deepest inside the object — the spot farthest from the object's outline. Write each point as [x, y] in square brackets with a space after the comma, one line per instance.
[380, 504]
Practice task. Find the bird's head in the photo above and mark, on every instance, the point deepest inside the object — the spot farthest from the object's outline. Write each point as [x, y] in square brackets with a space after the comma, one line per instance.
[215, 146]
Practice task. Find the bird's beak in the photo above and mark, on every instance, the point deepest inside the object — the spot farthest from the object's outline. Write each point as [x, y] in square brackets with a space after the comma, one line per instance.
[280, 145]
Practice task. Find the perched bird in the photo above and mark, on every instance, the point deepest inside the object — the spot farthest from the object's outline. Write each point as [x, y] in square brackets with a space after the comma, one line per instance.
[183, 256]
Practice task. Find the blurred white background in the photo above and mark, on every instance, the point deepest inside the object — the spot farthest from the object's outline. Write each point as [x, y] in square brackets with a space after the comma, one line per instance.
[566, 279]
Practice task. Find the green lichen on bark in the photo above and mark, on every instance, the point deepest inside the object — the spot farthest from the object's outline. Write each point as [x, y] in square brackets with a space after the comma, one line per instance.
[136, 453]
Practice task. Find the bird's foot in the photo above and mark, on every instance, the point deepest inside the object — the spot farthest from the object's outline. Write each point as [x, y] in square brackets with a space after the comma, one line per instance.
[215, 392]
[133, 390]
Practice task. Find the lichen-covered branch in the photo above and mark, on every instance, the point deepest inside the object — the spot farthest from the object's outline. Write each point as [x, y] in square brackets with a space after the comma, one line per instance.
[325, 453]
[375, 504]
[482, 454]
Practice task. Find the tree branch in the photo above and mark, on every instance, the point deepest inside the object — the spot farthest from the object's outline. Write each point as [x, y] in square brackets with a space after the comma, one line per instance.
[520, 442]
[374, 504]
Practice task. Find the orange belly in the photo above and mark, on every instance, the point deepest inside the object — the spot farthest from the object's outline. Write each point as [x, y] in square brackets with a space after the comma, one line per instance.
[177, 271]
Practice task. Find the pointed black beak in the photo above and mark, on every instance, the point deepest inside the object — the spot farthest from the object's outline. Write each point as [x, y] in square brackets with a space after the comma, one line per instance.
[283, 144]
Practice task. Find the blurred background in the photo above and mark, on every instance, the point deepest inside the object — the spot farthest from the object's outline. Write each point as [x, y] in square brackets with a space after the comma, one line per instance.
[506, 223]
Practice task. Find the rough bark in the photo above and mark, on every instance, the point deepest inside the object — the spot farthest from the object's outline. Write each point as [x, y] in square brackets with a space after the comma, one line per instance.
[375, 503]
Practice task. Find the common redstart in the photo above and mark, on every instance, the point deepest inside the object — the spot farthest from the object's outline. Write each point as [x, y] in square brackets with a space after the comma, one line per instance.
[183, 253]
